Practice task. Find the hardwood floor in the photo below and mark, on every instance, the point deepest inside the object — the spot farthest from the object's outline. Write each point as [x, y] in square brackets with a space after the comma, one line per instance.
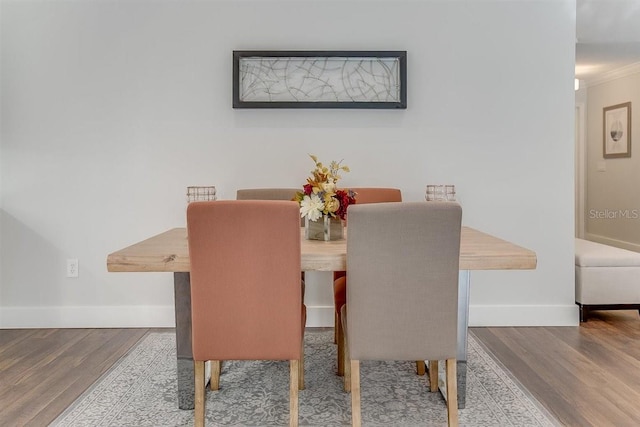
[585, 376]
[42, 371]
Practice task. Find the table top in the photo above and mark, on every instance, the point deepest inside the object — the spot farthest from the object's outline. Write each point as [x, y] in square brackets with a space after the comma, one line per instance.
[169, 252]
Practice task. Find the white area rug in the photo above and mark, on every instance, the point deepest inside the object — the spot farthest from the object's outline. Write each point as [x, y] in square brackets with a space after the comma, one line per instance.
[140, 390]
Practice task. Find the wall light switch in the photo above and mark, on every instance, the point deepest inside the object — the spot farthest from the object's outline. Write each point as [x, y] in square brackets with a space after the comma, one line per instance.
[601, 166]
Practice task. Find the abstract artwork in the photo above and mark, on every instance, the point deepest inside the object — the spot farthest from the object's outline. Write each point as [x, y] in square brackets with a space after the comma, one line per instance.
[617, 131]
[319, 79]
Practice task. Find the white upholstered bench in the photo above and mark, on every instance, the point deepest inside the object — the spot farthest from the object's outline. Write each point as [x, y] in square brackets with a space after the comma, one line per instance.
[607, 278]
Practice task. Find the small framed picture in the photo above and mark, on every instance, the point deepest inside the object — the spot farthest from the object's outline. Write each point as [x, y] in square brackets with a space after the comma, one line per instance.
[617, 131]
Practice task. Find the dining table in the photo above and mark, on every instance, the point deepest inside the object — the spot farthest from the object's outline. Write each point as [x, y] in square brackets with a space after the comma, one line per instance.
[169, 252]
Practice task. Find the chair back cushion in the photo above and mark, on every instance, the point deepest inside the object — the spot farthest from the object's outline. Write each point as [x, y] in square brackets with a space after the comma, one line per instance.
[266, 193]
[245, 280]
[402, 297]
[365, 195]
[377, 195]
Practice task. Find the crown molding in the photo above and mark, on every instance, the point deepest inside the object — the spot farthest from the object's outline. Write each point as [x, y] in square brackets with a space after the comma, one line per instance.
[625, 71]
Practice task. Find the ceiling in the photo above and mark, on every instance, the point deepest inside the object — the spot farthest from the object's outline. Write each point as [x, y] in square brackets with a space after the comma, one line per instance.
[607, 36]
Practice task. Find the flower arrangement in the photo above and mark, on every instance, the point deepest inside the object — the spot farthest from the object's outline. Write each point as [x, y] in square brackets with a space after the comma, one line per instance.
[320, 196]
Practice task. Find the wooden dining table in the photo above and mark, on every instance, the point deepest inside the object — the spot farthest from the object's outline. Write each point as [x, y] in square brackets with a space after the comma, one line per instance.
[169, 252]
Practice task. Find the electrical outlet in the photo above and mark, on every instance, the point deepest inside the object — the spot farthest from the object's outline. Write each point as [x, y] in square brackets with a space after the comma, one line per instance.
[72, 267]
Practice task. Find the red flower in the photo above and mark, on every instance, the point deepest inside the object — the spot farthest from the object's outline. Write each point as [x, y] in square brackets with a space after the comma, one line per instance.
[345, 198]
[308, 188]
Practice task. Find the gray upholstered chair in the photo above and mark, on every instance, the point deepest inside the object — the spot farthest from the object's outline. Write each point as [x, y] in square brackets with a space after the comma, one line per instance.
[266, 193]
[402, 298]
[364, 195]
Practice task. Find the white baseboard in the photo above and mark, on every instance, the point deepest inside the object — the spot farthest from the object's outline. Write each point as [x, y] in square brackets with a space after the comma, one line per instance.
[129, 316]
[320, 316]
[317, 316]
[117, 317]
[524, 315]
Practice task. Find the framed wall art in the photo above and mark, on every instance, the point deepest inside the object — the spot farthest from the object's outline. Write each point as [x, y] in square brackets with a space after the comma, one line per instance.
[617, 131]
[319, 79]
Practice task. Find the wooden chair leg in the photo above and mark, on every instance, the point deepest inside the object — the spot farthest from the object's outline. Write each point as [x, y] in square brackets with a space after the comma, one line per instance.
[336, 330]
[452, 393]
[420, 367]
[214, 383]
[294, 369]
[346, 364]
[356, 416]
[198, 367]
[340, 339]
[433, 375]
[301, 369]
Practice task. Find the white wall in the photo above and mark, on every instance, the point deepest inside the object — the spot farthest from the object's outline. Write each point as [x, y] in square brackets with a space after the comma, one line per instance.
[613, 202]
[580, 155]
[110, 109]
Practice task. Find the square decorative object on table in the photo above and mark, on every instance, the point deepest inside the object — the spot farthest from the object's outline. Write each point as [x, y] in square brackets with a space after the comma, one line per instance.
[617, 131]
[319, 79]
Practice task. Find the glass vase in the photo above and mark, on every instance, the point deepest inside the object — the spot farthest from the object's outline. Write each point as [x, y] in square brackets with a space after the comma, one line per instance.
[325, 228]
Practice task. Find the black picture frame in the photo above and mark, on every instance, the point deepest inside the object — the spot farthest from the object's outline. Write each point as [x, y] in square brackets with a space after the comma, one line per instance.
[385, 86]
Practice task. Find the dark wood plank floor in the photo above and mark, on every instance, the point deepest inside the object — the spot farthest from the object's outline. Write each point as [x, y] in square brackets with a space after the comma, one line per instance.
[585, 376]
[42, 371]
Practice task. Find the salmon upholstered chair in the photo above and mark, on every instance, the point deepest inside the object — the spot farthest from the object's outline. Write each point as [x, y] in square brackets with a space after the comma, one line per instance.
[270, 194]
[363, 196]
[267, 194]
[246, 301]
[402, 298]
